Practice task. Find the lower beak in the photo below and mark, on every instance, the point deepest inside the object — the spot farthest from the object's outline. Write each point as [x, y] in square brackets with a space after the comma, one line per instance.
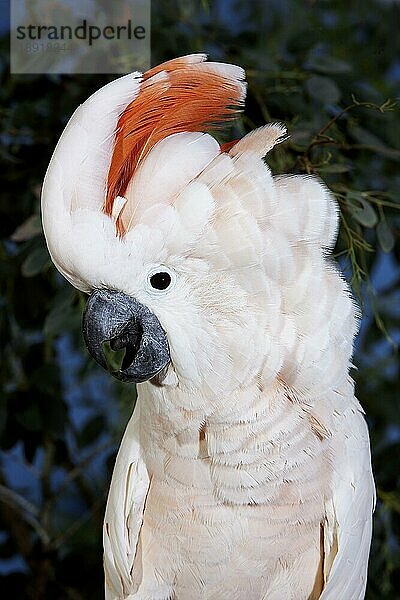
[127, 325]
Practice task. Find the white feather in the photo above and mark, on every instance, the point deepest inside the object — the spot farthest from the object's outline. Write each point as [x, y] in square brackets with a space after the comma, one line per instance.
[349, 526]
[76, 176]
[184, 154]
[124, 512]
[261, 140]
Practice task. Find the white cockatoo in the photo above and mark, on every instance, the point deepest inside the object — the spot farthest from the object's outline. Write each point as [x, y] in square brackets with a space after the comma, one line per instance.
[244, 472]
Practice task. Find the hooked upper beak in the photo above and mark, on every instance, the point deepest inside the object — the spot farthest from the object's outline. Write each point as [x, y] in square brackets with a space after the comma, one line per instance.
[122, 321]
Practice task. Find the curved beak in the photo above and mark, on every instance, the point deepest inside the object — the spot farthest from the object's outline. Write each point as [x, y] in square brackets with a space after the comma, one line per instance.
[125, 324]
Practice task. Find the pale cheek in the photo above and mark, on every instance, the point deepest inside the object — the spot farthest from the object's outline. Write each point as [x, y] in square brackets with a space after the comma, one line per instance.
[217, 332]
[195, 344]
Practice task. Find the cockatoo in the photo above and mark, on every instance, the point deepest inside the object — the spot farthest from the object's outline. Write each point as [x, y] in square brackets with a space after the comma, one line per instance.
[244, 472]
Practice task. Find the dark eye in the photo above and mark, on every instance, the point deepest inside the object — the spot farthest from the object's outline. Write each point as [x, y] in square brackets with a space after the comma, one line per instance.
[160, 281]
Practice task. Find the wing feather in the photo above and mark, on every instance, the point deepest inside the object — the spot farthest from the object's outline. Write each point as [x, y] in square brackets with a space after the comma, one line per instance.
[124, 512]
[348, 526]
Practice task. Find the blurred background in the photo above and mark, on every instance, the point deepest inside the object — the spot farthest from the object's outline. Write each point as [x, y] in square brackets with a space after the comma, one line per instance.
[330, 70]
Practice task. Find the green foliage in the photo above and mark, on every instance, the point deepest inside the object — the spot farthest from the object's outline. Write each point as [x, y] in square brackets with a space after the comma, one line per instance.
[326, 69]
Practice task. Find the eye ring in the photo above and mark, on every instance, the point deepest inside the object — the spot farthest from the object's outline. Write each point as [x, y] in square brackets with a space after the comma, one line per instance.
[160, 279]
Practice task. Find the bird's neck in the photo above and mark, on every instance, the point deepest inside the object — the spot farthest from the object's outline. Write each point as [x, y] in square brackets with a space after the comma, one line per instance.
[250, 445]
[184, 414]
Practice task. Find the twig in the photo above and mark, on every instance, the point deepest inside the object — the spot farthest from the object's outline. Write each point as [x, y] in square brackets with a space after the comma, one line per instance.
[77, 469]
[26, 509]
[385, 106]
[60, 539]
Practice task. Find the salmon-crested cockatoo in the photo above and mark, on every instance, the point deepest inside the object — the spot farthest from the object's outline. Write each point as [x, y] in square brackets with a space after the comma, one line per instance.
[244, 472]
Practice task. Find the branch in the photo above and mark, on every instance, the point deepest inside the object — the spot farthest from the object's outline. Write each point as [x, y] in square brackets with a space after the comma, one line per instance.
[26, 509]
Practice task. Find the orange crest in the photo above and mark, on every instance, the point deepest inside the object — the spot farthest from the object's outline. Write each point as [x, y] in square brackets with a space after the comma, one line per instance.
[184, 94]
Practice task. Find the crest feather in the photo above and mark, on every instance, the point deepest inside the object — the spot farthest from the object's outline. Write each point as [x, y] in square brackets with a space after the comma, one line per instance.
[181, 95]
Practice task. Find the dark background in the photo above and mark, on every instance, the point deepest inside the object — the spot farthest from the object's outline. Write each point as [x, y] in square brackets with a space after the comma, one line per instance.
[325, 68]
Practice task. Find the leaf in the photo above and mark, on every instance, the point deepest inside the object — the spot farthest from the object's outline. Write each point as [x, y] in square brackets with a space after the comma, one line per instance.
[28, 229]
[323, 89]
[366, 138]
[385, 236]
[36, 262]
[334, 168]
[327, 64]
[60, 319]
[300, 139]
[92, 430]
[391, 499]
[30, 418]
[56, 415]
[364, 214]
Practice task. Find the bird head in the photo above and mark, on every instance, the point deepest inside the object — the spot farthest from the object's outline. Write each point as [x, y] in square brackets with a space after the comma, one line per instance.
[125, 216]
[196, 260]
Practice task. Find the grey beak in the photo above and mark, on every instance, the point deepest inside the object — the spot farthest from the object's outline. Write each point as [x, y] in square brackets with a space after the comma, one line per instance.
[126, 324]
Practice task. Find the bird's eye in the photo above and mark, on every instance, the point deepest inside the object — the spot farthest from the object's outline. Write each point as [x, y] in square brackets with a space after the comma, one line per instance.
[160, 281]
